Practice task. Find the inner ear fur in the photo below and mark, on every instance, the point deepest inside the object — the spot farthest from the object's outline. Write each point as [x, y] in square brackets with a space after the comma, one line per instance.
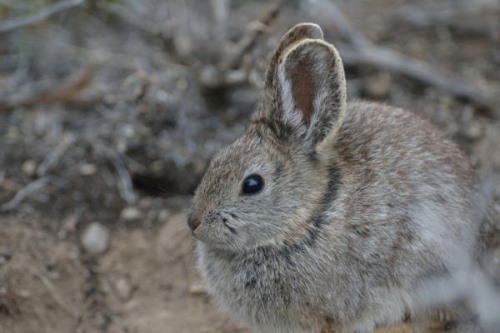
[294, 35]
[311, 90]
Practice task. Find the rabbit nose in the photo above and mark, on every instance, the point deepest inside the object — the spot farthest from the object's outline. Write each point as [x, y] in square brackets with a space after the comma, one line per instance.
[193, 223]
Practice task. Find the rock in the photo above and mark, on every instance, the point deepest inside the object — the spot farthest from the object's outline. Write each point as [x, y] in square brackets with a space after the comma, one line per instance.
[88, 169]
[474, 131]
[130, 214]
[23, 293]
[197, 289]
[29, 168]
[95, 238]
[123, 288]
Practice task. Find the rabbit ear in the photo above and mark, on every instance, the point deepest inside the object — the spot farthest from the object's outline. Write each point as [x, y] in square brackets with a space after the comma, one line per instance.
[296, 34]
[310, 93]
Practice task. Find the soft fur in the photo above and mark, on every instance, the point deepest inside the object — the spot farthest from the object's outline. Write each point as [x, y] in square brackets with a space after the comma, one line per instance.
[362, 204]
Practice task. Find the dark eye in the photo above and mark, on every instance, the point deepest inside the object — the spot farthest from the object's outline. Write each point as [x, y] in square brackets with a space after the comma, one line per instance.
[252, 184]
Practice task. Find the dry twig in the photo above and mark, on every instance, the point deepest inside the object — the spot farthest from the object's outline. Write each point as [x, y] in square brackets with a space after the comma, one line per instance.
[52, 290]
[55, 155]
[254, 30]
[445, 13]
[220, 9]
[225, 74]
[360, 51]
[44, 14]
[394, 62]
[121, 12]
[26, 191]
[8, 185]
[125, 185]
[67, 91]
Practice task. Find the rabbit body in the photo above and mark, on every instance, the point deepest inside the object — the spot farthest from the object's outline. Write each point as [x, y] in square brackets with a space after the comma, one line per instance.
[362, 203]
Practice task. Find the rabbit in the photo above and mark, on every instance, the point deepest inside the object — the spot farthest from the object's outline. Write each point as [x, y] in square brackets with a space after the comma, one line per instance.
[328, 216]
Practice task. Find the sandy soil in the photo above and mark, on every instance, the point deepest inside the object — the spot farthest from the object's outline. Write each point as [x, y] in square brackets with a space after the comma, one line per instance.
[146, 282]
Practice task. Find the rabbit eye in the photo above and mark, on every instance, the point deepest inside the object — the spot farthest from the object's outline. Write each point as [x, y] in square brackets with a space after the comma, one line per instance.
[252, 184]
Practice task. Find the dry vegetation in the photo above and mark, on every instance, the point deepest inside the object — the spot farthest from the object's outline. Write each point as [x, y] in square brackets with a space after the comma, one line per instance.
[110, 110]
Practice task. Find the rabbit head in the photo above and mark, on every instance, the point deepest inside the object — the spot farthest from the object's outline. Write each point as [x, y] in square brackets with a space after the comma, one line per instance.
[261, 189]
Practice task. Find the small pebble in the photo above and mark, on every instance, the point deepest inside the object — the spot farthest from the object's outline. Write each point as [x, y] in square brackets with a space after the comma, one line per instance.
[474, 131]
[157, 166]
[123, 289]
[29, 168]
[197, 289]
[88, 169]
[130, 214]
[95, 238]
[23, 293]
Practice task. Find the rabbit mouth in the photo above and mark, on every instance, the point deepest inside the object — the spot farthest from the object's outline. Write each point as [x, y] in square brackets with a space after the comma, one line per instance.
[226, 220]
[217, 225]
[229, 227]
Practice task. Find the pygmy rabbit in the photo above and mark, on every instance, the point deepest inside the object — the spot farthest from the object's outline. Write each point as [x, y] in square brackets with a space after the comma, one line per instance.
[326, 216]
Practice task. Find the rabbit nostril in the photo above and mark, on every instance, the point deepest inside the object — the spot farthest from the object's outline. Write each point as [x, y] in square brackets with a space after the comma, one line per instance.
[193, 223]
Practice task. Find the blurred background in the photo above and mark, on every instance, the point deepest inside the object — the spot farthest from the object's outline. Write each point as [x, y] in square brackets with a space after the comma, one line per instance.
[110, 111]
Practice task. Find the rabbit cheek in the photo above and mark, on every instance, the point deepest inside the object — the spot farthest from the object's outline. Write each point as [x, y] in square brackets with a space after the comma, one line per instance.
[213, 235]
[218, 230]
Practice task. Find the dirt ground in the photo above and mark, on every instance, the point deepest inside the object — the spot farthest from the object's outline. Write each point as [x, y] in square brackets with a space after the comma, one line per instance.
[110, 112]
[146, 282]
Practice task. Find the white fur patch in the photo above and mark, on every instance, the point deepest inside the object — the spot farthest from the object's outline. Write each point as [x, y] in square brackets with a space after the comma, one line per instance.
[291, 116]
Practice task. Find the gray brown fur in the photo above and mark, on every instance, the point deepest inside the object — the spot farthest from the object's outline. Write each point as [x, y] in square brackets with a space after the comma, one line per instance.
[362, 204]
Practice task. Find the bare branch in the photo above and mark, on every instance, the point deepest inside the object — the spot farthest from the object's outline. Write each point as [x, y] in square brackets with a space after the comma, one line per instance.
[445, 13]
[227, 73]
[24, 193]
[254, 31]
[68, 91]
[394, 62]
[125, 186]
[55, 155]
[56, 296]
[44, 14]
[360, 51]
[124, 14]
[220, 10]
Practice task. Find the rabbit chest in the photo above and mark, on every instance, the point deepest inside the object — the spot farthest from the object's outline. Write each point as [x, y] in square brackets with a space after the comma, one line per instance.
[270, 288]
